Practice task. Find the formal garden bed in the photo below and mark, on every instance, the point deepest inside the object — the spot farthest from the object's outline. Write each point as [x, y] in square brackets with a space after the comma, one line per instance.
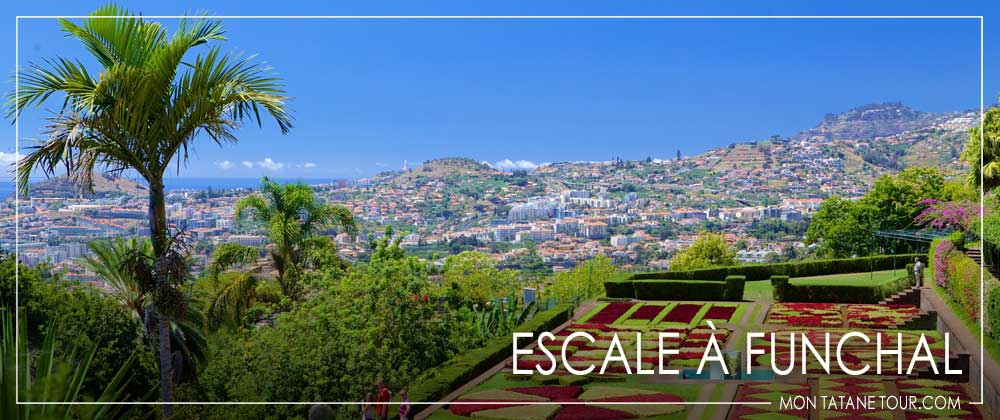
[563, 395]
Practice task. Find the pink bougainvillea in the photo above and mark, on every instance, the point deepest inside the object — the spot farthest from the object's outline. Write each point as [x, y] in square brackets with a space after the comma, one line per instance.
[942, 256]
[947, 214]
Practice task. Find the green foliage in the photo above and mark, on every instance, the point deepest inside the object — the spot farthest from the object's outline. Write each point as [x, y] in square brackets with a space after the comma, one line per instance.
[678, 290]
[294, 219]
[583, 282]
[982, 152]
[843, 228]
[993, 313]
[472, 278]
[86, 317]
[784, 291]
[54, 377]
[379, 321]
[807, 268]
[438, 382]
[499, 316]
[708, 250]
[735, 285]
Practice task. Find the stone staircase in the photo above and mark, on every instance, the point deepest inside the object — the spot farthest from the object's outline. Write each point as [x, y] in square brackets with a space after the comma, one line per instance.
[909, 296]
[976, 254]
[926, 320]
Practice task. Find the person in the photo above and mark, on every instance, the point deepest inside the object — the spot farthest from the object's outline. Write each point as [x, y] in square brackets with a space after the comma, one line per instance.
[367, 412]
[918, 271]
[404, 407]
[320, 412]
[382, 398]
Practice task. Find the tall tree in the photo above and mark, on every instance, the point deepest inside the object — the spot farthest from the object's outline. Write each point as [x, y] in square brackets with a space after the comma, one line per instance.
[982, 153]
[143, 110]
[293, 219]
[111, 260]
[708, 250]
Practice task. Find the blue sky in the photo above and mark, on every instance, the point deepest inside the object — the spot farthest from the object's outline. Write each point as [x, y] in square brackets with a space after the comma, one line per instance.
[369, 94]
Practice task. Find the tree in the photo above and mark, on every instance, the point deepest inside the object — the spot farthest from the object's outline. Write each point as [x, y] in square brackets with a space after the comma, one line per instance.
[110, 260]
[583, 282]
[473, 277]
[982, 152]
[144, 110]
[708, 250]
[294, 219]
[845, 228]
[839, 229]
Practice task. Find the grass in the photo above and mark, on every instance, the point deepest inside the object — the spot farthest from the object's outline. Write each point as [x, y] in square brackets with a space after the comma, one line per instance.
[761, 291]
[867, 279]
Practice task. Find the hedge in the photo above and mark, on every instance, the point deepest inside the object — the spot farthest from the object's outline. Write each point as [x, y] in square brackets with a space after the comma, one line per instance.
[623, 287]
[784, 291]
[678, 290]
[806, 268]
[438, 382]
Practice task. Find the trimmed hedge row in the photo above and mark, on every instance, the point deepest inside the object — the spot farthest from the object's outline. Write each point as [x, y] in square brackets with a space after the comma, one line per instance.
[793, 269]
[730, 289]
[441, 380]
[784, 291]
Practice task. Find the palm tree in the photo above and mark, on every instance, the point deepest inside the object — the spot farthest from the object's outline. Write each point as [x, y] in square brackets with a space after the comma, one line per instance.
[111, 261]
[293, 218]
[982, 153]
[142, 111]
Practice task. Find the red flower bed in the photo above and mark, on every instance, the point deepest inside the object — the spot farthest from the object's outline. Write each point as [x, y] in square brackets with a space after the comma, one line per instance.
[466, 410]
[683, 313]
[610, 313]
[720, 313]
[643, 398]
[586, 412]
[647, 312]
[551, 392]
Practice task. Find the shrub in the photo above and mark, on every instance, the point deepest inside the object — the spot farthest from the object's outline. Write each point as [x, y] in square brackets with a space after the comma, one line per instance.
[993, 312]
[784, 291]
[963, 282]
[438, 382]
[940, 257]
[619, 287]
[806, 268]
[734, 287]
[679, 290]
[778, 285]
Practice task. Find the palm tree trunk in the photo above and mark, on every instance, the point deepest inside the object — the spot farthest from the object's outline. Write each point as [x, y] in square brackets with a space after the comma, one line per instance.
[158, 234]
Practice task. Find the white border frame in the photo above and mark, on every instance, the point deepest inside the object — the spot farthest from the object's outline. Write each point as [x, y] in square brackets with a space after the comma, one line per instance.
[17, 145]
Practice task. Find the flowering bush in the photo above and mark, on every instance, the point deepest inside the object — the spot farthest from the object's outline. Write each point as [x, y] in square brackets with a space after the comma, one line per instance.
[942, 255]
[948, 214]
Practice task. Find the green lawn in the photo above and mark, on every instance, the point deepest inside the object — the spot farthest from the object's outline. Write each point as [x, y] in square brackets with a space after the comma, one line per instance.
[760, 290]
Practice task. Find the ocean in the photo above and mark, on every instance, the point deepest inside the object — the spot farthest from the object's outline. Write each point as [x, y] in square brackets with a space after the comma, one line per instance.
[7, 187]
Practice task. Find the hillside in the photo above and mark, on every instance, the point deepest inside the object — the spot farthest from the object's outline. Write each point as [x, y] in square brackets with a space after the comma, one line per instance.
[104, 185]
[447, 167]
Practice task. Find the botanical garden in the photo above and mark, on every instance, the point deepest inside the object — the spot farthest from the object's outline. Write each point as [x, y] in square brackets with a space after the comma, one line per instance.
[293, 321]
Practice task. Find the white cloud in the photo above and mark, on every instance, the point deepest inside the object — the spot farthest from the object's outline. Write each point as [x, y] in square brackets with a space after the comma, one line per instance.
[270, 164]
[224, 165]
[248, 164]
[381, 164]
[510, 165]
[308, 165]
[9, 159]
